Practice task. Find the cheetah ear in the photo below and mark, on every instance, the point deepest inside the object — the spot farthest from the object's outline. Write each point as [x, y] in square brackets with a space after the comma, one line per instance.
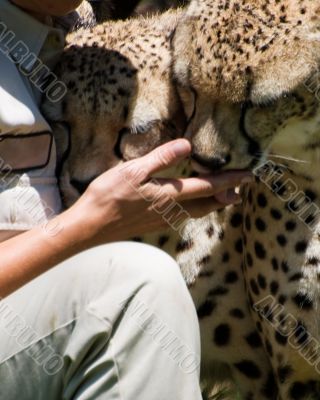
[52, 111]
[275, 77]
[61, 134]
[168, 21]
[182, 51]
[292, 60]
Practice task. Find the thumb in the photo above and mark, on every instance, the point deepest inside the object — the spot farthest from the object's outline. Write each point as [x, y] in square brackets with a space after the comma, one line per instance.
[165, 156]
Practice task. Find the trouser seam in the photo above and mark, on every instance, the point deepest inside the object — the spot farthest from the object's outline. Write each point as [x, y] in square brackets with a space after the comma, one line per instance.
[39, 340]
[116, 369]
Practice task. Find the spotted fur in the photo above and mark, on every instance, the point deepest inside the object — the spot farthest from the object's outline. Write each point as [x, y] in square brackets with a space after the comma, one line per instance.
[253, 68]
[239, 67]
[121, 103]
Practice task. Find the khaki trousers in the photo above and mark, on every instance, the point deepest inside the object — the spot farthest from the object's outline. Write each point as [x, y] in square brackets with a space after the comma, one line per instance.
[114, 322]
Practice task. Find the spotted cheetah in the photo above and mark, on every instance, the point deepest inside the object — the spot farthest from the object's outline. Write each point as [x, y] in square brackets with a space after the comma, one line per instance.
[252, 69]
[122, 101]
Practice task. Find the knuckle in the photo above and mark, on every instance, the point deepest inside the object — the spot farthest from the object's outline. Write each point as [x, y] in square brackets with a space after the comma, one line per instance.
[133, 172]
[164, 156]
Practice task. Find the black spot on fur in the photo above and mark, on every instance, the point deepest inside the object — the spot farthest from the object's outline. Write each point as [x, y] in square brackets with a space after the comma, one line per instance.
[236, 220]
[301, 334]
[218, 291]
[282, 240]
[249, 369]
[296, 277]
[262, 281]
[231, 277]
[248, 223]
[221, 235]
[260, 250]
[313, 261]
[184, 245]
[163, 240]
[254, 287]
[225, 257]
[298, 391]
[260, 224]
[253, 340]
[239, 246]
[301, 246]
[284, 373]
[291, 225]
[206, 309]
[285, 267]
[222, 335]
[275, 264]
[249, 259]
[310, 194]
[237, 313]
[204, 260]
[276, 214]
[274, 287]
[281, 339]
[270, 389]
[210, 231]
[262, 200]
[282, 299]
[303, 301]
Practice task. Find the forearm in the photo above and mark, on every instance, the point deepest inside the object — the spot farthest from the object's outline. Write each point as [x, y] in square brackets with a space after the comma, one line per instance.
[120, 204]
[29, 254]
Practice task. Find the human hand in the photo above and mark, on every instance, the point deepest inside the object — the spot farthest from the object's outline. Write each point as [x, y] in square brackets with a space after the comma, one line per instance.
[126, 201]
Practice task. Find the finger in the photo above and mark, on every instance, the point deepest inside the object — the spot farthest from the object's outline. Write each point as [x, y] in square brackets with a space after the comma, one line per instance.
[165, 156]
[176, 216]
[201, 207]
[194, 188]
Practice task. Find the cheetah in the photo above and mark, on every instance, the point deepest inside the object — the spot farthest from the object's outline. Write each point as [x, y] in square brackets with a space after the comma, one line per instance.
[122, 101]
[252, 69]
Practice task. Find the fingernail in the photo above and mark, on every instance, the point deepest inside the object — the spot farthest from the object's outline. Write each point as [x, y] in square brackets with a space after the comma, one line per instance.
[228, 197]
[232, 197]
[181, 148]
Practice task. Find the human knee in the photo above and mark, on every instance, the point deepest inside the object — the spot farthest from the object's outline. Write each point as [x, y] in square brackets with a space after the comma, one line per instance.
[151, 265]
[136, 265]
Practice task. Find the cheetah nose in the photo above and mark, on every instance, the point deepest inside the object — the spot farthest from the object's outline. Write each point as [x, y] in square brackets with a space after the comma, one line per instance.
[214, 163]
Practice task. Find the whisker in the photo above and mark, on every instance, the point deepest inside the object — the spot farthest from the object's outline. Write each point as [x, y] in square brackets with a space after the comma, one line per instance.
[288, 158]
[271, 155]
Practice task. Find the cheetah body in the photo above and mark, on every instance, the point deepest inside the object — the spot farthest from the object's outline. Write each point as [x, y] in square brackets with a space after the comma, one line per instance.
[135, 57]
[254, 66]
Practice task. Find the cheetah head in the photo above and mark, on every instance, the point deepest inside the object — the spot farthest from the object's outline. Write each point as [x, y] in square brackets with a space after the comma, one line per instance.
[121, 102]
[250, 75]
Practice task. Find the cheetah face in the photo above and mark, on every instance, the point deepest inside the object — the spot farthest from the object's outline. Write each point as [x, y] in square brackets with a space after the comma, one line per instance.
[253, 77]
[121, 102]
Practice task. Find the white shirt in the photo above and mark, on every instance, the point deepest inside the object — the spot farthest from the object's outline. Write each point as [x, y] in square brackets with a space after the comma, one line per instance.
[29, 198]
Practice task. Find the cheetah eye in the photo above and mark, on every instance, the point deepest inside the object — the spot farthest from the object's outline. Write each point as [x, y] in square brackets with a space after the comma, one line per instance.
[138, 129]
[268, 103]
[142, 128]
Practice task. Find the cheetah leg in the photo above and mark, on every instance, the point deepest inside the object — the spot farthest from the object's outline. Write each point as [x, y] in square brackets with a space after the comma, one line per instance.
[254, 387]
[295, 388]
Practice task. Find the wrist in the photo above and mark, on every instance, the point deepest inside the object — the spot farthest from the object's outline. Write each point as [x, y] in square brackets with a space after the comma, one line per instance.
[87, 223]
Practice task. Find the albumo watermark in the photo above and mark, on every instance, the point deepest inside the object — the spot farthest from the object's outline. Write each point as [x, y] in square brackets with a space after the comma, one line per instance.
[30, 65]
